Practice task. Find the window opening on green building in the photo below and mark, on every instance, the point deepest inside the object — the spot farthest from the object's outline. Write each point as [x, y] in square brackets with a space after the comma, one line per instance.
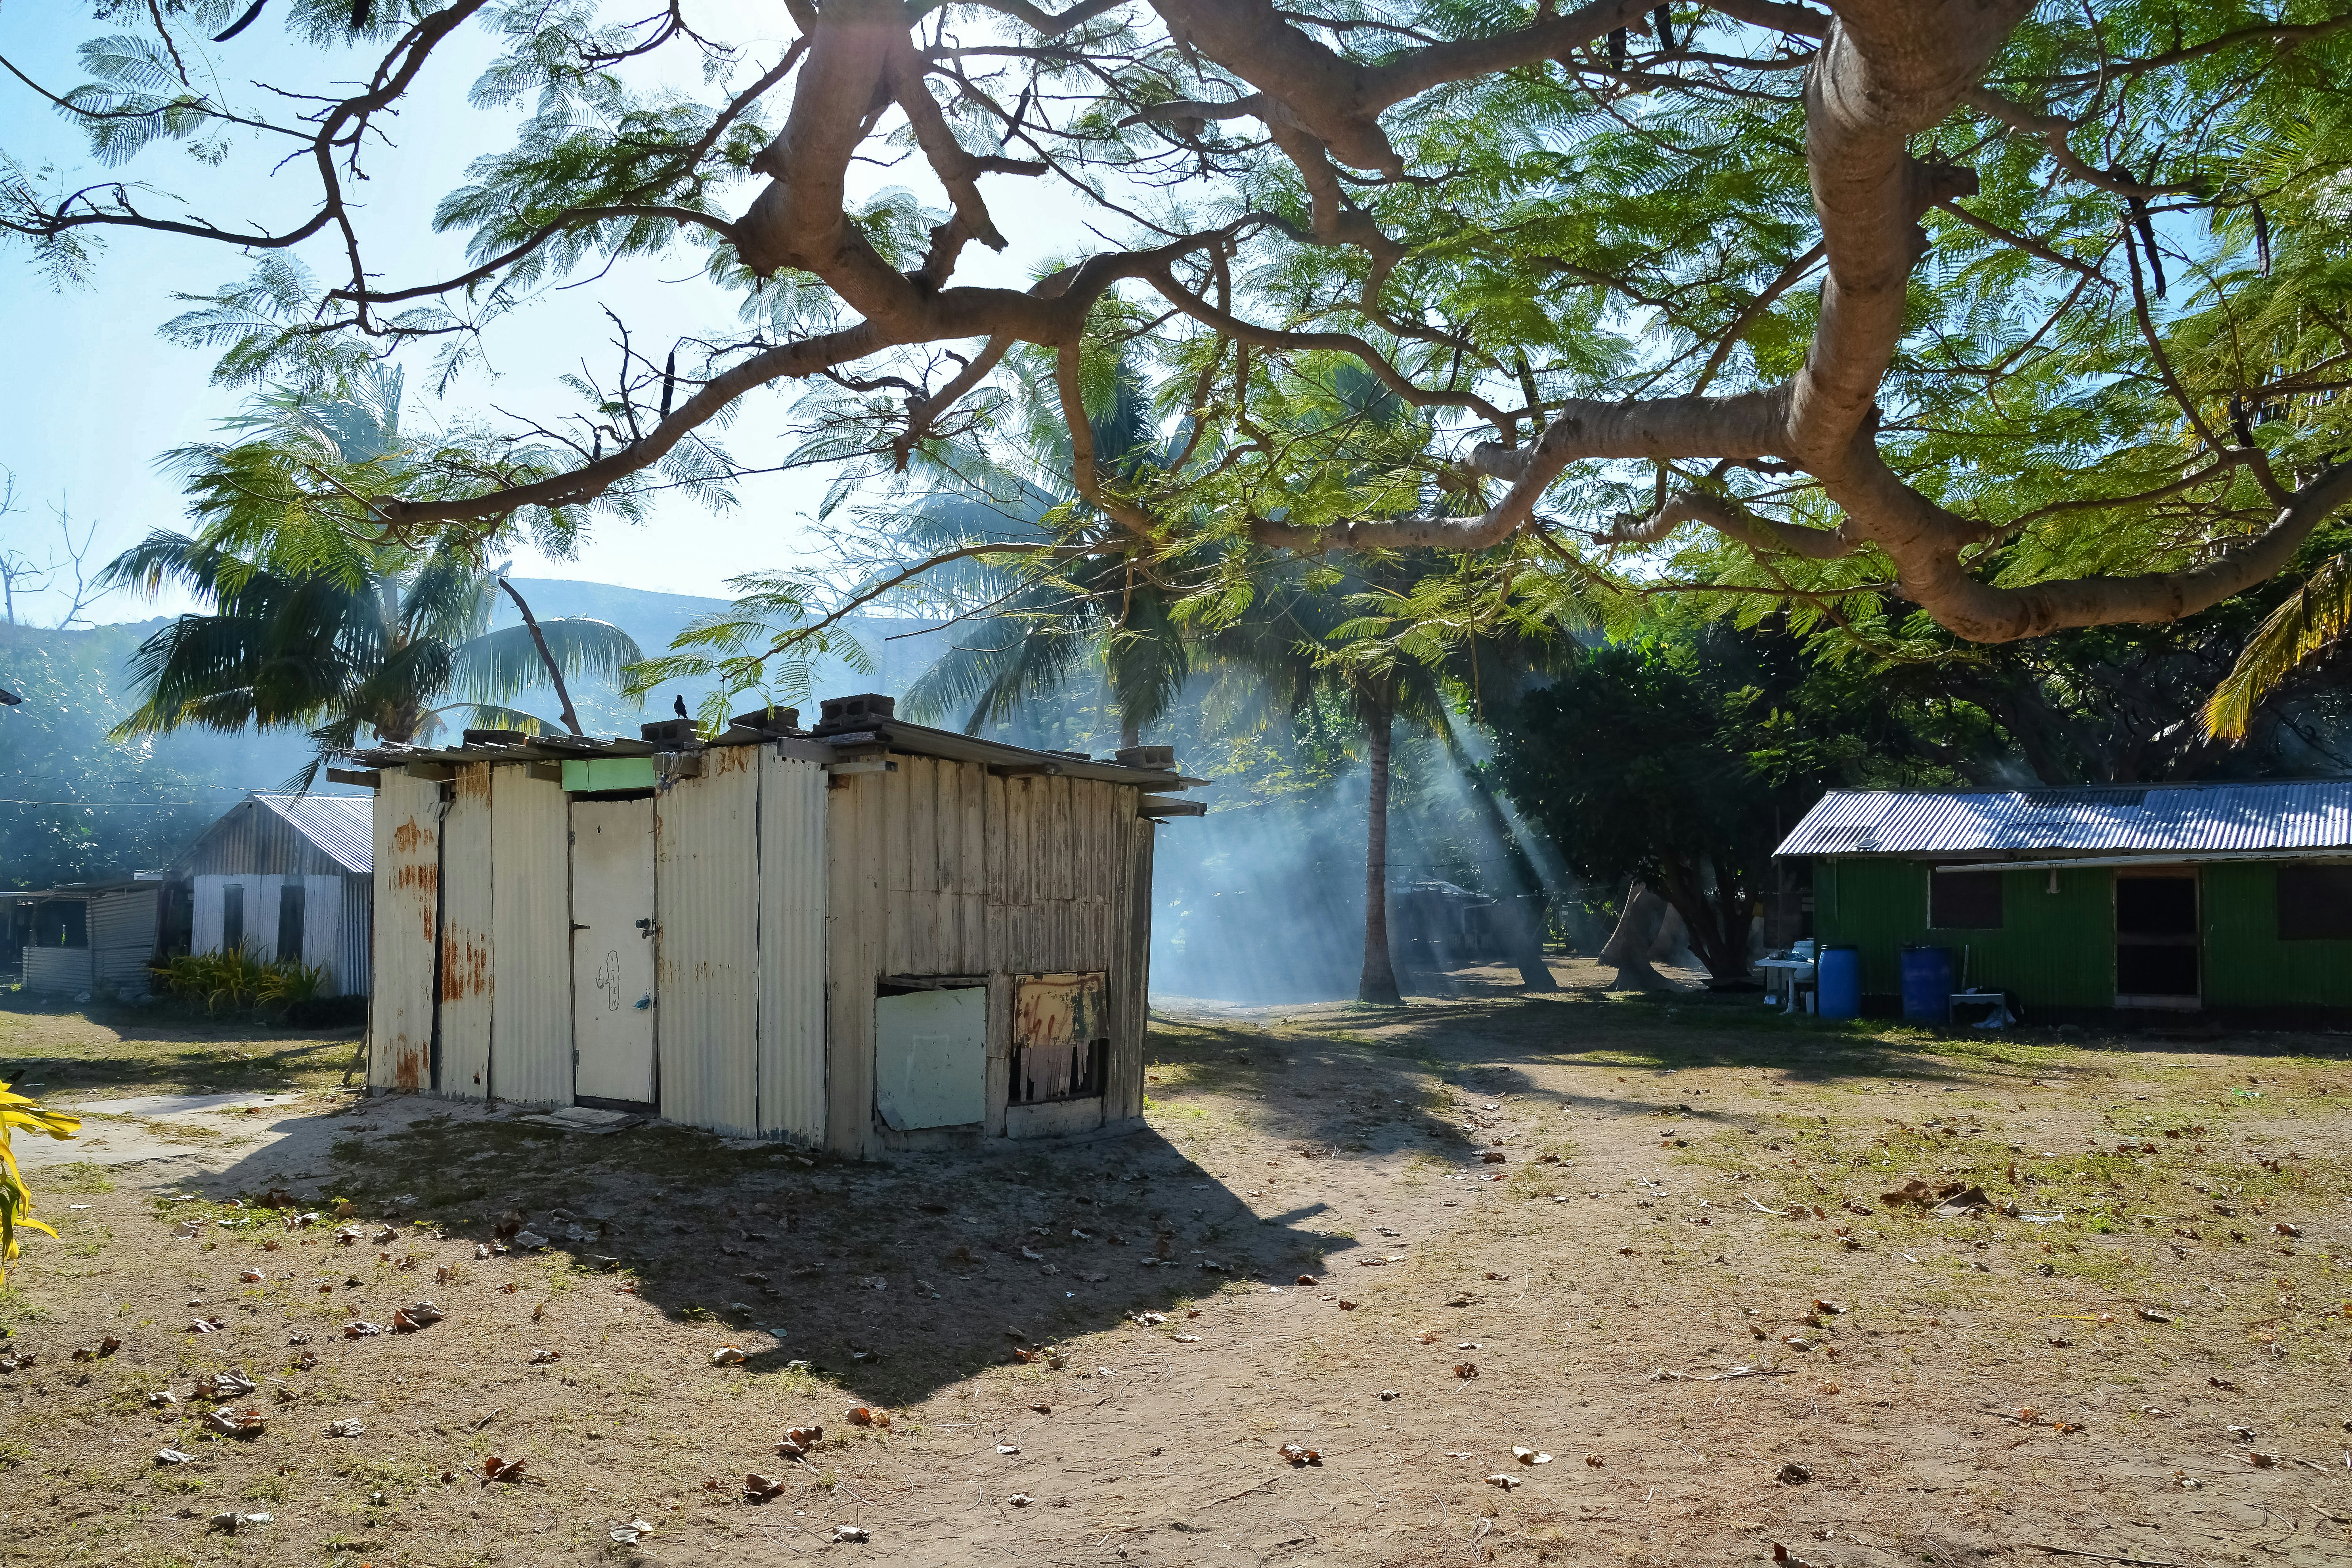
[2315, 902]
[1963, 900]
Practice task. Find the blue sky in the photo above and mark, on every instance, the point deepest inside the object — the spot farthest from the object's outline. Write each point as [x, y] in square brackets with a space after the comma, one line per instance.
[92, 394]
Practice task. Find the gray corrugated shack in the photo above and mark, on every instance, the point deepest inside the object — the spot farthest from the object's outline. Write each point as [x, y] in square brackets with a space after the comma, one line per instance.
[869, 936]
[92, 937]
[286, 876]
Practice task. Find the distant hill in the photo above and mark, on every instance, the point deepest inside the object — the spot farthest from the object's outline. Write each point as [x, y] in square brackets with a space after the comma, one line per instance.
[76, 807]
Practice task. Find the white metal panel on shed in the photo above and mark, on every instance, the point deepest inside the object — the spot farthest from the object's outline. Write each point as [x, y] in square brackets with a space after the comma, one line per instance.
[530, 930]
[793, 795]
[612, 922]
[262, 895]
[468, 970]
[205, 914]
[407, 858]
[323, 923]
[930, 1057]
[707, 903]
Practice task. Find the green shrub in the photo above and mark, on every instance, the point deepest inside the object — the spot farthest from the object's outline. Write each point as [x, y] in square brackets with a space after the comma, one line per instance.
[237, 977]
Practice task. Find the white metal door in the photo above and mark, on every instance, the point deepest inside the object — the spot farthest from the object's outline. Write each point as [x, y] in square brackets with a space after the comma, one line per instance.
[613, 949]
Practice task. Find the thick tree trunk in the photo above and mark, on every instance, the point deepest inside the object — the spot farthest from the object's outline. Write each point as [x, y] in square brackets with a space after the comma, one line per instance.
[1717, 927]
[1378, 982]
[1131, 733]
[1629, 945]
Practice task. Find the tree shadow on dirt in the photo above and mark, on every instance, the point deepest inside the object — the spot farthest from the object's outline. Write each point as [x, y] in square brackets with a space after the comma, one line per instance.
[893, 1280]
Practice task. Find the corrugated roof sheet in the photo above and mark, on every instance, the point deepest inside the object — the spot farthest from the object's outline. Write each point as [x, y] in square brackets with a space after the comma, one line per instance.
[2288, 815]
[340, 824]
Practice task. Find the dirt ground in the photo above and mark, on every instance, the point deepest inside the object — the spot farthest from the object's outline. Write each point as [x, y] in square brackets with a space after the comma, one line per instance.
[1680, 1281]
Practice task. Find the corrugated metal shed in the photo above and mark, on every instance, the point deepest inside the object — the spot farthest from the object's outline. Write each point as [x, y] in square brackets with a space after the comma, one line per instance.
[285, 834]
[791, 882]
[2307, 816]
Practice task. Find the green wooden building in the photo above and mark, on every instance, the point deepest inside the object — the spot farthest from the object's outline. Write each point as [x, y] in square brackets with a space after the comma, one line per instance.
[2229, 898]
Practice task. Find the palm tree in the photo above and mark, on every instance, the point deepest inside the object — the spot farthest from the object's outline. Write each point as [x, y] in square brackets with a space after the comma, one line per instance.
[2299, 631]
[1047, 624]
[314, 624]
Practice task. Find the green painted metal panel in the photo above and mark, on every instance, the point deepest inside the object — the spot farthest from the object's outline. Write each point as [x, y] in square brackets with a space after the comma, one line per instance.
[2246, 964]
[2057, 948]
[590, 776]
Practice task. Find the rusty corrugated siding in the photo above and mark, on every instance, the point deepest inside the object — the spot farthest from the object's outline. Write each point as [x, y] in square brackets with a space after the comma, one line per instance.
[2298, 815]
[532, 935]
[792, 874]
[468, 970]
[405, 923]
[707, 980]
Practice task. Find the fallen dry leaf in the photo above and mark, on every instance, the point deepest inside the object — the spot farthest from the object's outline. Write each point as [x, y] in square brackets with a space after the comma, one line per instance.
[1527, 1456]
[759, 1488]
[1595, 1460]
[1466, 1370]
[727, 1355]
[496, 1469]
[545, 1358]
[1506, 1482]
[797, 1442]
[246, 1423]
[866, 1415]
[1298, 1455]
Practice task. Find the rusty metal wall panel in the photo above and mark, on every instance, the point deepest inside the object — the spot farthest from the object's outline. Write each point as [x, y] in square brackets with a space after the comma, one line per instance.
[468, 920]
[530, 902]
[405, 927]
[793, 797]
[707, 979]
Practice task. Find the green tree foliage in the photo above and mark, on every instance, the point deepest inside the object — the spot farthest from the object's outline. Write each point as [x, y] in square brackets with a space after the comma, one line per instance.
[1683, 756]
[2031, 314]
[317, 621]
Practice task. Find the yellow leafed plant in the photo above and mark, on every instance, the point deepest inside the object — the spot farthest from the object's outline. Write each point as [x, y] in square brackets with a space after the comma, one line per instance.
[15, 1197]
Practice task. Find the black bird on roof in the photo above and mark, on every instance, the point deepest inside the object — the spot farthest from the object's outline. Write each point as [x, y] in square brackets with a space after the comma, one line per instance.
[677, 706]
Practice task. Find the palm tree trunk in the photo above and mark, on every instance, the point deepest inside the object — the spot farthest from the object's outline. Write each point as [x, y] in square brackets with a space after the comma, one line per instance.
[1131, 733]
[554, 671]
[1378, 982]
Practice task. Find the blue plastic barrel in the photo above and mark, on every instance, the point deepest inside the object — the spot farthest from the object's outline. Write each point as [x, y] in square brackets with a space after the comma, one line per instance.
[1837, 982]
[1928, 985]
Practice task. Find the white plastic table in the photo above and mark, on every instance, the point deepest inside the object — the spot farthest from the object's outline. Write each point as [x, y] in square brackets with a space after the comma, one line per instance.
[1781, 976]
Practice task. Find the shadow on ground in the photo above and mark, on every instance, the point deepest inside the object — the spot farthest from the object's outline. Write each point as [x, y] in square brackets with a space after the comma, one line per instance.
[895, 1280]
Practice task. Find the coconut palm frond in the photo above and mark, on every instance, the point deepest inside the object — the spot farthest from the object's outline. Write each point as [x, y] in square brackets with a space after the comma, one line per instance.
[2298, 630]
[501, 664]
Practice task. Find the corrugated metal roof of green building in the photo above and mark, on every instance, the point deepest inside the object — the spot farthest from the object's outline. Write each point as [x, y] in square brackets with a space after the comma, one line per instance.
[2295, 816]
